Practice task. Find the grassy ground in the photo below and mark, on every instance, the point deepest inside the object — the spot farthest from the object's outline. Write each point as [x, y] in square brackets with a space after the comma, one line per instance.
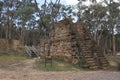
[116, 60]
[60, 65]
[57, 65]
[7, 59]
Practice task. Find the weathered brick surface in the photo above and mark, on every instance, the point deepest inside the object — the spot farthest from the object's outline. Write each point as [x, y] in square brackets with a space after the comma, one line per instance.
[72, 42]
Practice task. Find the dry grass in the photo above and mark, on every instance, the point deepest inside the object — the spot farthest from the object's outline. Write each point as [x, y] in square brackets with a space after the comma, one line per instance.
[6, 60]
[57, 65]
[114, 62]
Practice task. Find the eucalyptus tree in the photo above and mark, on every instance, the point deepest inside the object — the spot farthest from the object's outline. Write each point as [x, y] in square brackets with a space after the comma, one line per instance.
[101, 17]
[1, 28]
[113, 10]
[7, 15]
[1, 6]
[48, 13]
[94, 16]
[24, 15]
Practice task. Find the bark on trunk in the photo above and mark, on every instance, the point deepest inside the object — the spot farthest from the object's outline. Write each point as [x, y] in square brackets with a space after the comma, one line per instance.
[113, 42]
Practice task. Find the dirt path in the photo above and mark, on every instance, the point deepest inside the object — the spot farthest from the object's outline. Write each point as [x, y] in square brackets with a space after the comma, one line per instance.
[27, 72]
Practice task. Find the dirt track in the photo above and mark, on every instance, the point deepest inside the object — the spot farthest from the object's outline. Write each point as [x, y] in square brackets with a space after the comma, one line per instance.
[17, 72]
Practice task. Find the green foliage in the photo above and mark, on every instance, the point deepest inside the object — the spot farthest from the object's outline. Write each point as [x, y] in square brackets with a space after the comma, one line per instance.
[67, 11]
[25, 11]
[1, 5]
[114, 9]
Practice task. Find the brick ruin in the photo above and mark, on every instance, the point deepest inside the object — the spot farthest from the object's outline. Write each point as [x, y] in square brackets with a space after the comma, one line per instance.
[72, 42]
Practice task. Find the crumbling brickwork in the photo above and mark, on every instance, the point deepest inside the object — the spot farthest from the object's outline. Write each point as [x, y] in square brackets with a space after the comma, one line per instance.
[72, 42]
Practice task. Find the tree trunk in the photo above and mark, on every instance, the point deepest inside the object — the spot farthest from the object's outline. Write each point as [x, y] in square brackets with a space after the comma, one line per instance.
[113, 42]
[22, 34]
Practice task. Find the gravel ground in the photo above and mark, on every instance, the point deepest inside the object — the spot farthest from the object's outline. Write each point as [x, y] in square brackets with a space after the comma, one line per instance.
[28, 73]
[69, 75]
